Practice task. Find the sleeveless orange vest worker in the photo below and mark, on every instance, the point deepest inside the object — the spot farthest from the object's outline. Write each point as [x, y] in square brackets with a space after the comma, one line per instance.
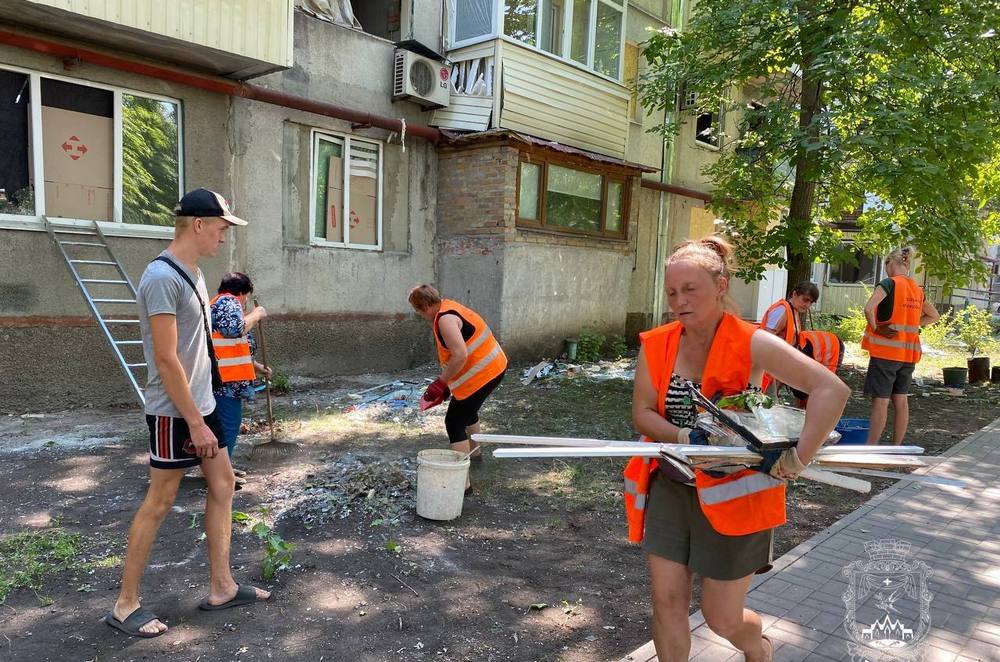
[485, 360]
[907, 308]
[791, 321]
[825, 346]
[233, 354]
[737, 504]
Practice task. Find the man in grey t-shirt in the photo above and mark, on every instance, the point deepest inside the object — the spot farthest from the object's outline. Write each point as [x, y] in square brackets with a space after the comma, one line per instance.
[184, 430]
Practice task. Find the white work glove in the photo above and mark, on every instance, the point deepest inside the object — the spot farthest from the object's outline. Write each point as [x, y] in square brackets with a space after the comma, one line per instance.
[788, 465]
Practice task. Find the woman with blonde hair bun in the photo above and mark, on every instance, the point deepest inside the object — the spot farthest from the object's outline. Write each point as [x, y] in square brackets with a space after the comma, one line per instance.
[895, 312]
[718, 525]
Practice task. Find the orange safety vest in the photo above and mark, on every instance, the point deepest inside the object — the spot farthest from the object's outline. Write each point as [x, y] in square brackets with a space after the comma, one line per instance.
[792, 325]
[485, 360]
[792, 329]
[233, 354]
[907, 308]
[825, 346]
[736, 504]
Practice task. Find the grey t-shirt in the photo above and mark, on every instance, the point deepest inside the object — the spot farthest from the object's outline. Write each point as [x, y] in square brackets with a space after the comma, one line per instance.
[163, 291]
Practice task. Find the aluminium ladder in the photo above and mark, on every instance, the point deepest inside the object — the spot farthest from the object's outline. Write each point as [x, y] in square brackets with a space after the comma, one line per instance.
[77, 245]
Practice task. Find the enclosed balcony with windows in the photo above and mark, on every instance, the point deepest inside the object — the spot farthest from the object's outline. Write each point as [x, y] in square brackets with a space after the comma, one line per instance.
[549, 68]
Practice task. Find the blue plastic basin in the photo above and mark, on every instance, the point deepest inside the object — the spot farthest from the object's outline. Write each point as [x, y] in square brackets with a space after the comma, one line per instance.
[853, 430]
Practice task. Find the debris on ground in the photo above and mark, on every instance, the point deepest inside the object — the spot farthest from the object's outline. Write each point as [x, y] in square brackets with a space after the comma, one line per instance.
[374, 490]
[546, 370]
[391, 397]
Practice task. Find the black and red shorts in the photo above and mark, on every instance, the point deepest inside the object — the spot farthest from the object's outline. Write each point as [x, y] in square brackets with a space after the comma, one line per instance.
[170, 445]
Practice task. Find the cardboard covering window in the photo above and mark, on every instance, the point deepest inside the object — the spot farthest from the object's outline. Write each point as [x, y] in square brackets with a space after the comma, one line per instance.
[363, 213]
[77, 150]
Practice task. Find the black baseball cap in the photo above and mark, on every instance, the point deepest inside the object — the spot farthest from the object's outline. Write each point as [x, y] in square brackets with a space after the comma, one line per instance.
[206, 204]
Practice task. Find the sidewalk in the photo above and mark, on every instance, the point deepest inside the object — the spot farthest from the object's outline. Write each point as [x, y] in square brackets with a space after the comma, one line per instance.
[955, 532]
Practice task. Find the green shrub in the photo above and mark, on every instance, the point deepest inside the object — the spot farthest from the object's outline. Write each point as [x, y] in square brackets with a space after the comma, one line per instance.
[279, 383]
[851, 328]
[824, 321]
[974, 329]
[939, 334]
[617, 347]
[588, 349]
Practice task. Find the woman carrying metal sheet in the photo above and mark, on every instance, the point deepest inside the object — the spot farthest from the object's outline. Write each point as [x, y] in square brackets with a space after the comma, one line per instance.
[720, 527]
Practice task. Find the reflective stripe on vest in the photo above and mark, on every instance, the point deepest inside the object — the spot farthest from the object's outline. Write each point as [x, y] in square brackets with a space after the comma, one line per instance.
[232, 354]
[749, 484]
[825, 348]
[727, 371]
[484, 360]
[907, 308]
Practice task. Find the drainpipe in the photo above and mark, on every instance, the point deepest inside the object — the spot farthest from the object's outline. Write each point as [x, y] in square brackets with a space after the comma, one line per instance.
[666, 175]
[217, 84]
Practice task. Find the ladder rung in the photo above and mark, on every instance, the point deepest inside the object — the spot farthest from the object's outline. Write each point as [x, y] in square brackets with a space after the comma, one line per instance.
[121, 321]
[82, 243]
[104, 281]
[113, 300]
[136, 365]
[128, 342]
[93, 262]
[84, 231]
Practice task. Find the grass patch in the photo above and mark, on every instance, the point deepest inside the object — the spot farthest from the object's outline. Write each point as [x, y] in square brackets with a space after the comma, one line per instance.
[28, 557]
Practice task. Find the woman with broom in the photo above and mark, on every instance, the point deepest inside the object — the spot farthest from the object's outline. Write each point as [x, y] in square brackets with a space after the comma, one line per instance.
[234, 347]
[720, 527]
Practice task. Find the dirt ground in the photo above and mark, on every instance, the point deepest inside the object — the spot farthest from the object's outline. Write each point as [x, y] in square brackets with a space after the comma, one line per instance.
[536, 568]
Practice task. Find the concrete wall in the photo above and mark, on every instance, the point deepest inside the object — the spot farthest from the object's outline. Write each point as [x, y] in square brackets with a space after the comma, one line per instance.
[51, 352]
[333, 310]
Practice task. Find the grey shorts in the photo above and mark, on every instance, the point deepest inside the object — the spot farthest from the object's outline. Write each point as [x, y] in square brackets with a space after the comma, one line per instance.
[677, 530]
[886, 378]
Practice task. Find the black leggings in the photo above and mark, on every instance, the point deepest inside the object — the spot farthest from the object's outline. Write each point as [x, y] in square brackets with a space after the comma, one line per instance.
[463, 413]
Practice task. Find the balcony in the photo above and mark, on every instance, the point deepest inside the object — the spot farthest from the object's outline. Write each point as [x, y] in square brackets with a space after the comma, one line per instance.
[237, 38]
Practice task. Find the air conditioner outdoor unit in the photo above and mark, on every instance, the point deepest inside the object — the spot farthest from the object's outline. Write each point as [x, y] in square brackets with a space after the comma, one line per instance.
[420, 79]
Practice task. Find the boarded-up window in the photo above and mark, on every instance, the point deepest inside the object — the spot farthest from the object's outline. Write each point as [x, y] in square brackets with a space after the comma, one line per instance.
[356, 223]
[631, 77]
[77, 150]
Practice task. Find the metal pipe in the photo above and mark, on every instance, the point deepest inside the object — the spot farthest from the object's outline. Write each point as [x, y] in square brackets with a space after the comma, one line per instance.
[673, 188]
[216, 84]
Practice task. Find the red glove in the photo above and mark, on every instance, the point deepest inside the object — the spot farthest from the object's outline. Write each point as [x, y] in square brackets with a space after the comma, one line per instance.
[435, 394]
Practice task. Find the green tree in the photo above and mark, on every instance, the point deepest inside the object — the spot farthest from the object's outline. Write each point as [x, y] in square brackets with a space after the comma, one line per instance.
[896, 102]
[149, 160]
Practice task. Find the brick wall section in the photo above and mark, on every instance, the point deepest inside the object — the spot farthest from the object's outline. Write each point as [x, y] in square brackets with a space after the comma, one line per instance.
[477, 190]
[477, 195]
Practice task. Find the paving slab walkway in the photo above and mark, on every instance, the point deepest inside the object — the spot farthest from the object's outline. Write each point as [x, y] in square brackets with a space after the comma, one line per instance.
[955, 532]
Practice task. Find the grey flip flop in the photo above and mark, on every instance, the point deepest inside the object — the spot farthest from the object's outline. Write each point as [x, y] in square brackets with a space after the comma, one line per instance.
[133, 623]
[245, 595]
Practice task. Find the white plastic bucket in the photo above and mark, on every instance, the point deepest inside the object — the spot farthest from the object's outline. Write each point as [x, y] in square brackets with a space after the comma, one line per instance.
[441, 475]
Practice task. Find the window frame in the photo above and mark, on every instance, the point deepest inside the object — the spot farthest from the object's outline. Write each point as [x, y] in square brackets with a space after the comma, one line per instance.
[878, 275]
[720, 123]
[315, 135]
[607, 176]
[541, 25]
[116, 226]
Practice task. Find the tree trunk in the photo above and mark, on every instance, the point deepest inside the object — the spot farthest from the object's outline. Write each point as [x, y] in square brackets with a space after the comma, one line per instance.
[800, 213]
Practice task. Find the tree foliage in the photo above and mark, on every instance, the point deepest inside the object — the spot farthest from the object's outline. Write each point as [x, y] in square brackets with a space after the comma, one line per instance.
[896, 102]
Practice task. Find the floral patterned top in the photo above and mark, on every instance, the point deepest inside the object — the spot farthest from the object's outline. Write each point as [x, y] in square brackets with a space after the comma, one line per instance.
[227, 319]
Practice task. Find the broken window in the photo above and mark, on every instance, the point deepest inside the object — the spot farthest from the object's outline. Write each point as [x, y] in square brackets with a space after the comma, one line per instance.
[16, 194]
[863, 270]
[708, 129]
[77, 149]
[345, 199]
[565, 198]
[379, 17]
